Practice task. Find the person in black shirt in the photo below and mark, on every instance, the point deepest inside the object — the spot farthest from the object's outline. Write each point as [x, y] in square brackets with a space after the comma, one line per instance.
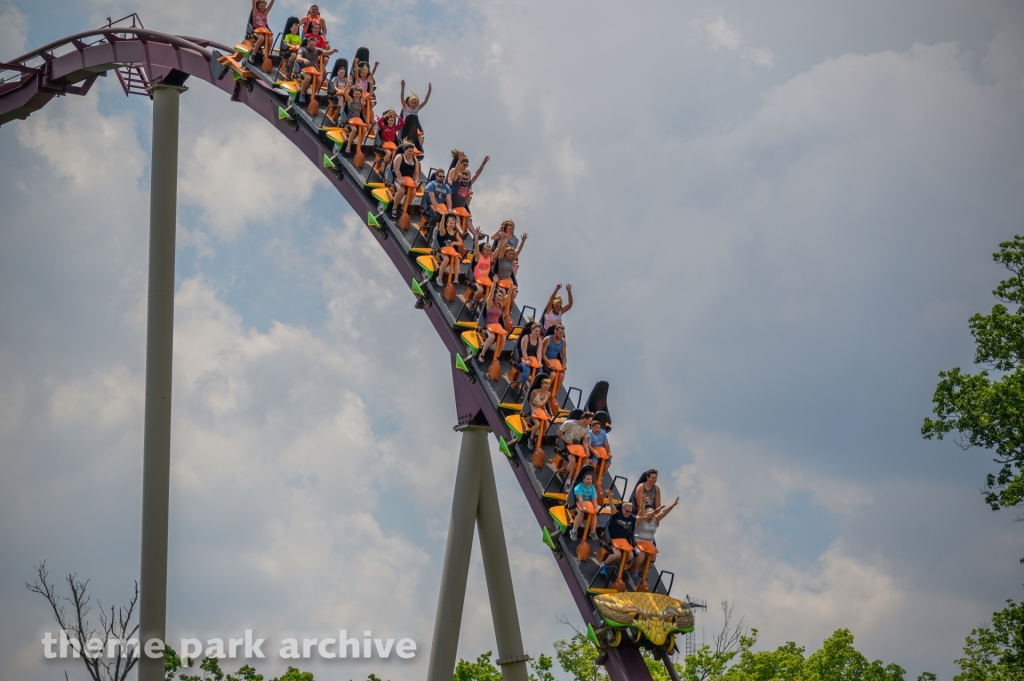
[621, 526]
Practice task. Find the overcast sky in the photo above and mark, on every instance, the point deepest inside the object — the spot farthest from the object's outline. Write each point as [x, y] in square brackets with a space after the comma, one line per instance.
[776, 220]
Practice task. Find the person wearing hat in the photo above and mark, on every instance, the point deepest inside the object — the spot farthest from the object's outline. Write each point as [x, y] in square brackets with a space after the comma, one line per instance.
[553, 311]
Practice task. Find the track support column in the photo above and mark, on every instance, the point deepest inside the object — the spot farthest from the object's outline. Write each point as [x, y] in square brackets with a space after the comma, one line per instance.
[476, 501]
[159, 341]
[504, 614]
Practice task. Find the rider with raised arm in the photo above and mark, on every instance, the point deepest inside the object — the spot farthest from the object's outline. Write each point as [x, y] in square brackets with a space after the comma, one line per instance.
[553, 311]
[264, 36]
[309, 58]
[314, 15]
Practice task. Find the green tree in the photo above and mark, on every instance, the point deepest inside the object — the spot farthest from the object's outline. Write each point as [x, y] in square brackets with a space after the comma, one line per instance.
[481, 670]
[578, 657]
[838, 660]
[995, 652]
[984, 411]
[783, 664]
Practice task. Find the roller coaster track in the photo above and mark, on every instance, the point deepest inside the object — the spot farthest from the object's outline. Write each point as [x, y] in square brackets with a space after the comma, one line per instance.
[71, 65]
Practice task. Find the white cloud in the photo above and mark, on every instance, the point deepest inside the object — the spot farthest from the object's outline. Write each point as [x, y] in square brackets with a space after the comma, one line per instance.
[427, 54]
[242, 171]
[13, 29]
[721, 36]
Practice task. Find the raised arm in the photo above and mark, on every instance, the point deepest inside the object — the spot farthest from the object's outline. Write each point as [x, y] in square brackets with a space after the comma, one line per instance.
[270, 5]
[427, 98]
[477, 241]
[522, 242]
[373, 71]
[551, 299]
[480, 169]
[401, 96]
[568, 305]
[665, 510]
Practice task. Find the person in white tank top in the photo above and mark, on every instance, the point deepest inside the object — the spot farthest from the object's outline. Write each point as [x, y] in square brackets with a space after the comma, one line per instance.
[553, 311]
[647, 523]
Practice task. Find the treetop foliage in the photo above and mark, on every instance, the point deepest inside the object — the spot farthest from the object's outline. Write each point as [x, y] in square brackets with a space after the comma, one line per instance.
[986, 411]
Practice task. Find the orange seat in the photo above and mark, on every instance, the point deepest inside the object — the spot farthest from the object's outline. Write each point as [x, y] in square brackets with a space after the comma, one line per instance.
[310, 71]
[576, 450]
[586, 507]
[505, 283]
[390, 146]
[541, 414]
[497, 329]
[647, 547]
[556, 364]
[461, 212]
[484, 281]
[442, 209]
[600, 453]
[449, 251]
[262, 30]
[408, 182]
[532, 362]
[358, 122]
[622, 545]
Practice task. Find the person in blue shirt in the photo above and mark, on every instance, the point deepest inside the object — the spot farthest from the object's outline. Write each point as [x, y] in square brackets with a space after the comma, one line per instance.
[436, 193]
[599, 437]
[584, 491]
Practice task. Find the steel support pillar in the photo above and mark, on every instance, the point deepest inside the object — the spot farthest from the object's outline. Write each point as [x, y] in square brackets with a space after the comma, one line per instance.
[476, 501]
[159, 340]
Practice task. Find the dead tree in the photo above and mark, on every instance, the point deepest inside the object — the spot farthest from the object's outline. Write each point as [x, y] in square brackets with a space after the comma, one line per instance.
[112, 627]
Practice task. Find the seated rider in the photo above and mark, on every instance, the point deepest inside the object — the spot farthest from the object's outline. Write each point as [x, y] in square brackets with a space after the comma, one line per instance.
[462, 187]
[313, 31]
[264, 36]
[309, 59]
[584, 491]
[437, 193]
[336, 86]
[647, 523]
[622, 525]
[598, 437]
[573, 439]
[388, 127]
[504, 268]
[291, 43]
[555, 358]
[529, 350]
[539, 417]
[647, 494]
[450, 248]
[355, 101]
[314, 15]
[479, 282]
[412, 130]
[553, 311]
[494, 311]
[404, 166]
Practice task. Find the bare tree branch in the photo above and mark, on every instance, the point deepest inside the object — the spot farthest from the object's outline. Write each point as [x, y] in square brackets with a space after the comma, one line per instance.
[117, 627]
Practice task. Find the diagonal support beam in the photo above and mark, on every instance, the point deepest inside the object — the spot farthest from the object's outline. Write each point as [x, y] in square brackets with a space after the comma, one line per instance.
[475, 501]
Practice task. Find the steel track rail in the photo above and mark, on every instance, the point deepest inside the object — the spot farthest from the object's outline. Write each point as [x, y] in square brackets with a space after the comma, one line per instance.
[27, 86]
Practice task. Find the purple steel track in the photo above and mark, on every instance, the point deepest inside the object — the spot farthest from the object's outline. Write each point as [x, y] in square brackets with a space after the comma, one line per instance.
[70, 66]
